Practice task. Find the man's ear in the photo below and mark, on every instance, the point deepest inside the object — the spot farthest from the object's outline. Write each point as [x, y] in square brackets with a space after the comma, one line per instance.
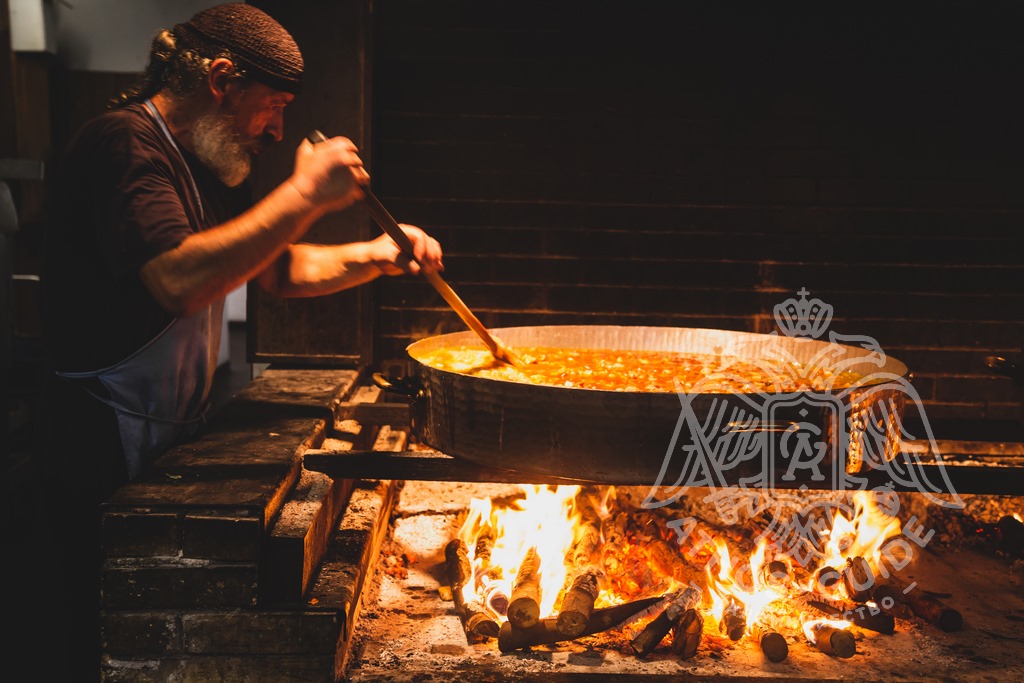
[221, 72]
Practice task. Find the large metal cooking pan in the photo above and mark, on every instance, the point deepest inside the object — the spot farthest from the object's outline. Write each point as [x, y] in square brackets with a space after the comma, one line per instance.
[624, 437]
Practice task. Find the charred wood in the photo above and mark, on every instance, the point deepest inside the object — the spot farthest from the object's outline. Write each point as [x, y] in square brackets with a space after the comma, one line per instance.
[834, 641]
[652, 634]
[577, 604]
[1011, 533]
[773, 644]
[868, 617]
[858, 579]
[686, 634]
[734, 619]
[923, 605]
[545, 631]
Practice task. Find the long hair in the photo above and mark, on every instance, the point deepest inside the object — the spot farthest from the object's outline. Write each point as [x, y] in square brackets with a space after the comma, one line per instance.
[182, 71]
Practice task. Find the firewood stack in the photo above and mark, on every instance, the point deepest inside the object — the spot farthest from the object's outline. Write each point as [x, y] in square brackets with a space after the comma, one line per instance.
[629, 554]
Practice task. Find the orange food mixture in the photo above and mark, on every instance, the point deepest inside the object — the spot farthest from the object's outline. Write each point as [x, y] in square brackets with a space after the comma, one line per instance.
[648, 371]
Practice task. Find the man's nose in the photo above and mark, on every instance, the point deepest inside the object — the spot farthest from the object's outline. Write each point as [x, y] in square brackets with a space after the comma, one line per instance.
[275, 127]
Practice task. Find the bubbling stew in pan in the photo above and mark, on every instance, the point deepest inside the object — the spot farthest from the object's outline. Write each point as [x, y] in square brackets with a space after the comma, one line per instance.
[641, 371]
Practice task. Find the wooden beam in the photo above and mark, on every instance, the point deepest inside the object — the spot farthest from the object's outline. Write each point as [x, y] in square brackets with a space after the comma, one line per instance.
[434, 466]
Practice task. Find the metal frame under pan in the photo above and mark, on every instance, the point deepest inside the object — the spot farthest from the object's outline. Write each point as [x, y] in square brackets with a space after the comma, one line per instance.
[971, 467]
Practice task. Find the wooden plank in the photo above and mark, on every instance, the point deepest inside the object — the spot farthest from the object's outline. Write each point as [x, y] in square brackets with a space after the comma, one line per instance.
[394, 414]
[299, 537]
[249, 455]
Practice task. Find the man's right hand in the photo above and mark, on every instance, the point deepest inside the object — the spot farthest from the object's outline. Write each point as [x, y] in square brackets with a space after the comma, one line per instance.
[329, 174]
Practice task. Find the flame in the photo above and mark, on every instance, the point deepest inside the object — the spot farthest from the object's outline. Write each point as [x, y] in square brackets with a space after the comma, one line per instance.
[863, 536]
[543, 520]
[554, 521]
[1018, 518]
[811, 625]
[744, 584]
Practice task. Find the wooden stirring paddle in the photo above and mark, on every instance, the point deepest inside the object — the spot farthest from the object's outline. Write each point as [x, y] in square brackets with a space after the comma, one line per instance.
[385, 220]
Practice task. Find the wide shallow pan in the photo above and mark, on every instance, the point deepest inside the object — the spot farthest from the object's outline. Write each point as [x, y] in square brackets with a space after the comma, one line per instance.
[668, 438]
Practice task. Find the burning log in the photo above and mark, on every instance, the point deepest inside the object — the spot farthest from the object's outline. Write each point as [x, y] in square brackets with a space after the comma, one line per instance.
[648, 639]
[831, 639]
[668, 559]
[869, 617]
[686, 634]
[858, 579]
[524, 607]
[486, 575]
[928, 607]
[545, 631]
[773, 644]
[827, 577]
[578, 603]
[776, 574]
[484, 546]
[734, 619]
[475, 621]
[614, 528]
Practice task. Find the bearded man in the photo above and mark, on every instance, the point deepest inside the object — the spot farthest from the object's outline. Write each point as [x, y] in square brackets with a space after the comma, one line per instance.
[153, 225]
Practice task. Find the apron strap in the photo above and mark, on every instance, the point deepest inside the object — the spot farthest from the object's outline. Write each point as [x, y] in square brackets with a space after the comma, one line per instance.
[201, 417]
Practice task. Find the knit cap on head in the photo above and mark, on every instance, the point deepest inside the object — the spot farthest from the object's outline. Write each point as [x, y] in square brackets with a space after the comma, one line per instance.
[263, 47]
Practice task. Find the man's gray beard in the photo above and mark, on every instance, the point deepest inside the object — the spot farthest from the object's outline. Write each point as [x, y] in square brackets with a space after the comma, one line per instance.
[216, 145]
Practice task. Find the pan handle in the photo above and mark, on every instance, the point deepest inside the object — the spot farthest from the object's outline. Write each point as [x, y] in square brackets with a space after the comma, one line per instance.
[767, 427]
[406, 386]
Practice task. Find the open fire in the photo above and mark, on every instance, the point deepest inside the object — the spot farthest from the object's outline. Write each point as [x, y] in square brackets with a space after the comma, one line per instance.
[553, 564]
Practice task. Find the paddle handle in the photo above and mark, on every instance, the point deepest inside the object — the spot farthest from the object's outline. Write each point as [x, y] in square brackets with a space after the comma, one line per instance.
[388, 223]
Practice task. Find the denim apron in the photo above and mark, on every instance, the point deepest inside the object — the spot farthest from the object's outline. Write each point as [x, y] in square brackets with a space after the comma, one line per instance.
[160, 391]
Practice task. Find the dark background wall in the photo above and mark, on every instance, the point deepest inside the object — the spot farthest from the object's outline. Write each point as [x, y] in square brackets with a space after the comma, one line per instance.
[667, 163]
[696, 163]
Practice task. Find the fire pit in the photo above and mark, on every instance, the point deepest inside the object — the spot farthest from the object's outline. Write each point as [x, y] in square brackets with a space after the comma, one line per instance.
[411, 631]
[899, 587]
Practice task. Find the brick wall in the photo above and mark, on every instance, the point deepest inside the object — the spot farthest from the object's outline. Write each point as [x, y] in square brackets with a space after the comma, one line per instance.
[629, 163]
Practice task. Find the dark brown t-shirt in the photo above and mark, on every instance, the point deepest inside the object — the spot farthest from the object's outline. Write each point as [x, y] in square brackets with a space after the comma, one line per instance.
[122, 196]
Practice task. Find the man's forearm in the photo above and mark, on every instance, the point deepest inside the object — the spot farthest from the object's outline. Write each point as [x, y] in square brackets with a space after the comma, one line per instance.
[305, 270]
[210, 264]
